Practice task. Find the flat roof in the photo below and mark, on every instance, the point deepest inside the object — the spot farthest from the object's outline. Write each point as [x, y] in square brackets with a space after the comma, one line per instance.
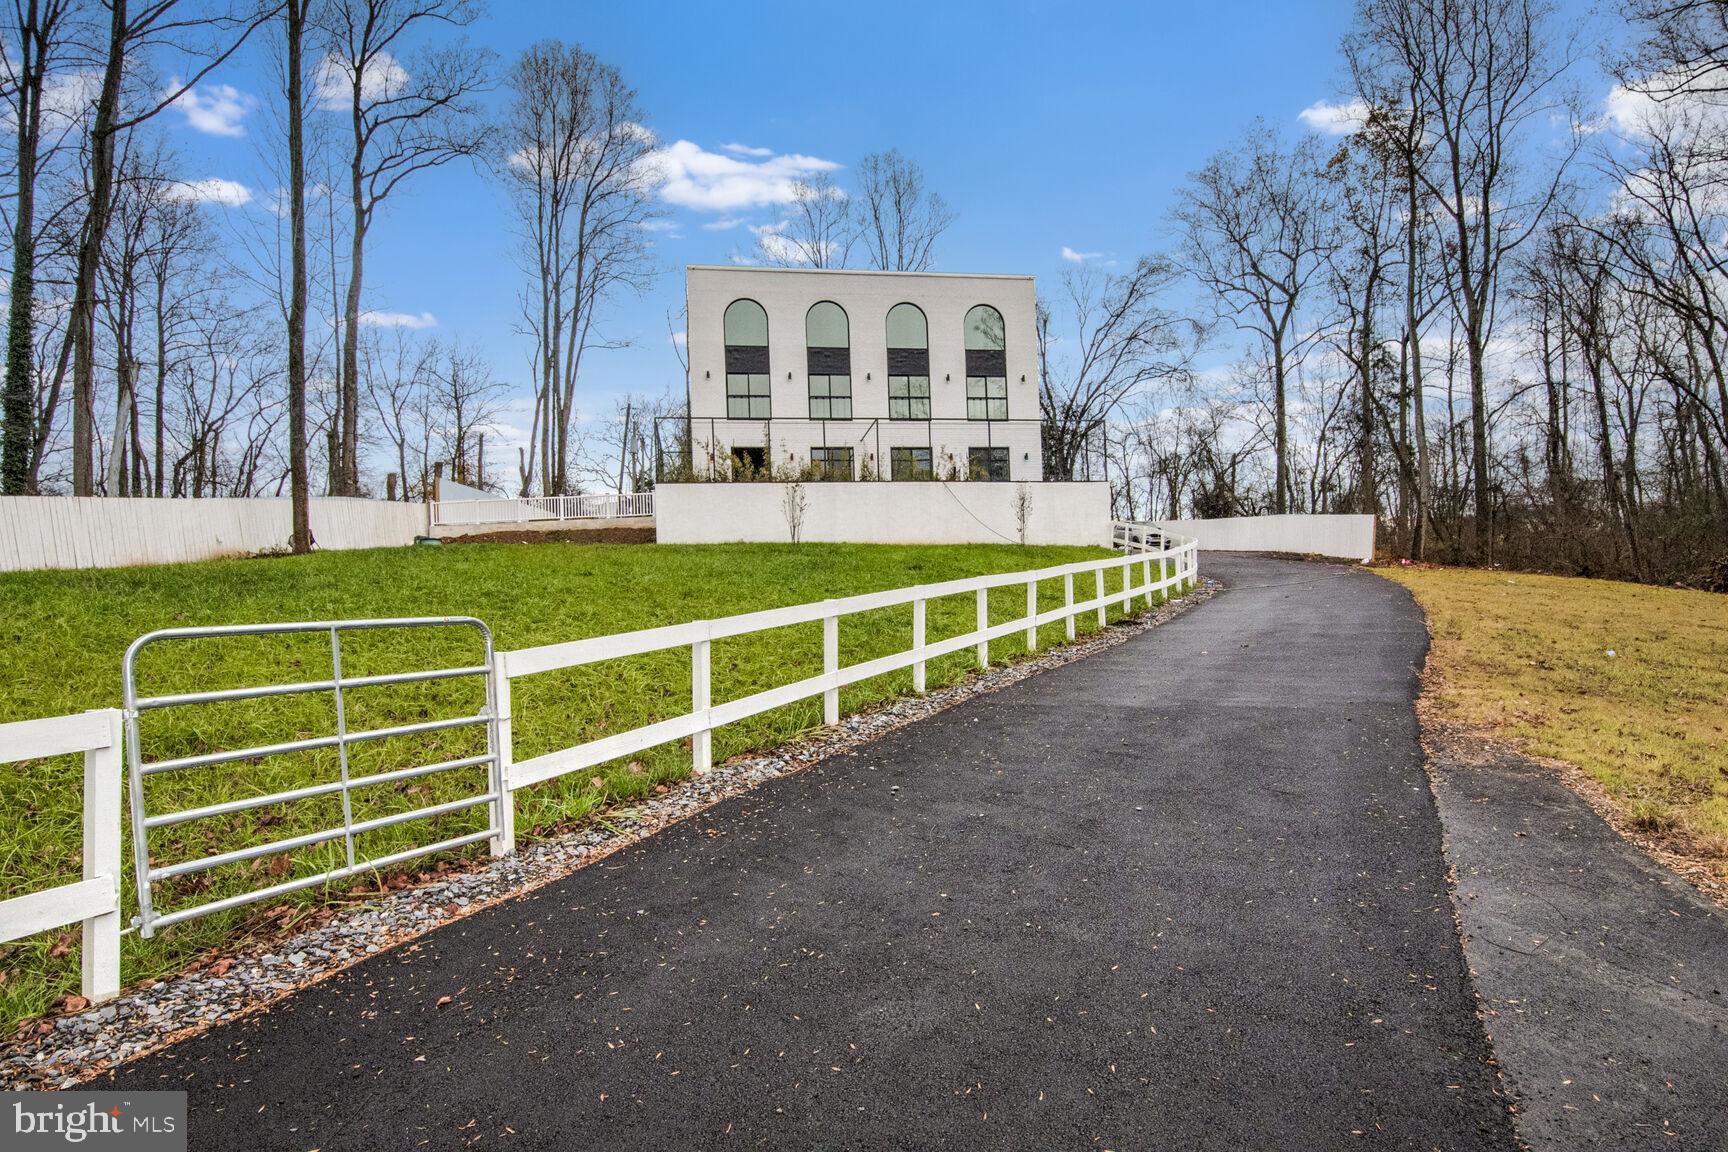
[855, 272]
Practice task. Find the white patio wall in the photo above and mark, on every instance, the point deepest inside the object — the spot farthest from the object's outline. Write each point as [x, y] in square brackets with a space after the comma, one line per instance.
[97, 532]
[1344, 536]
[899, 512]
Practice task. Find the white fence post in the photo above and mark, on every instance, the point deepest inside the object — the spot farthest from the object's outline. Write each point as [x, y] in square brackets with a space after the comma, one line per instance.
[94, 899]
[702, 742]
[1146, 575]
[1031, 615]
[1068, 600]
[101, 951]
[918, 646]
[1127, 589]
[504, 814]
[983, 623]
[1099, 574]
[831, 665]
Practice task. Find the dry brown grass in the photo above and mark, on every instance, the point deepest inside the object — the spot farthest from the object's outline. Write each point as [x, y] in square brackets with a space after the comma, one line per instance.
[1626, 681]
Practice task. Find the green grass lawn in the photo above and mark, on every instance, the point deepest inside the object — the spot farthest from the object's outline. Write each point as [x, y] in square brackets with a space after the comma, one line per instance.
[63, 634]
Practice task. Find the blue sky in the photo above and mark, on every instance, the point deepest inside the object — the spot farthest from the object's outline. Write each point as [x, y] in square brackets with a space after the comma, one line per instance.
[1046, 126]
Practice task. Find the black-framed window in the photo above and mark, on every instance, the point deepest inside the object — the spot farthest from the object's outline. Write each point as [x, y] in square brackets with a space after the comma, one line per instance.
[828, 360]
[986, 398]
[830, 397]
[987, 463]
[909, 464]
[747, 396]
[908, 397]
[908, 363]
[833, 463]
[747, 376]
[986, 364]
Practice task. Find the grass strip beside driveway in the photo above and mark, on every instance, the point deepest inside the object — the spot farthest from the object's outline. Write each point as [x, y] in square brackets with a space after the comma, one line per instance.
[1626, 681]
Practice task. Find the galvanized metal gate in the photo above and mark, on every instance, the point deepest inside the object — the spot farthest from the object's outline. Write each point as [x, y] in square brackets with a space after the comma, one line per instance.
[150, 874]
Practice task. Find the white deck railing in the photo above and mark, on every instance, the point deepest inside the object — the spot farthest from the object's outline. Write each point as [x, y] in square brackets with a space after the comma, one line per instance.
[96, 898]
[522, 509]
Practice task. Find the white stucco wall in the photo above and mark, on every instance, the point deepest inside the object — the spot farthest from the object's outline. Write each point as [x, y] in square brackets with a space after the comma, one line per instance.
[883, 513]
[1346, 537]
[787, 294]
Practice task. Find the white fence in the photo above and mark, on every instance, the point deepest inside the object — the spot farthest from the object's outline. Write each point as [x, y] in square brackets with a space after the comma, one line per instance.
[1175, 565]
[521, 510]
[100, 532]
[1346, 537]
[96, 898]
[893, 512]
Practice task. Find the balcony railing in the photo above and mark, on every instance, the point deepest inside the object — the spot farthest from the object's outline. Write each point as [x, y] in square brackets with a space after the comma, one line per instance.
[721, 448]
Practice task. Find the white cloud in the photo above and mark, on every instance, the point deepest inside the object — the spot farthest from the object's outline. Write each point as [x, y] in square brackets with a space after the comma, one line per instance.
[681, 339]
[1682, 113]
[332, 81]
[1334, 119]
[692, 177]
[214, 190]
[373, 318]
[1074, 257]
[747, 150]
[215, 109]
[69, 95]
[771, 241]
[722, 225]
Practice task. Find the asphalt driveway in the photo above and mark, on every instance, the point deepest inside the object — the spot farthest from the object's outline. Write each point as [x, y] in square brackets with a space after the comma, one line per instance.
[1186, 893]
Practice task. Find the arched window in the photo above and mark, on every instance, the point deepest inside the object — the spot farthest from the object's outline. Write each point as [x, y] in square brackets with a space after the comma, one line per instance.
[828, 344]
[986, 365]
[908, 363]
[746, 361]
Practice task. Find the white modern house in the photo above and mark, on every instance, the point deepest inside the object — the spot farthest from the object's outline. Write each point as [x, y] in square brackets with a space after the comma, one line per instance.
[897, 376]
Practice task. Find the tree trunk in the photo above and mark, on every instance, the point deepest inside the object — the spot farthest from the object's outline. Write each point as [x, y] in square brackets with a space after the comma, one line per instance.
[299, 482]
[83, 317]
[1482, 499]
[1280, 433]
[348, 415]
[19, 402]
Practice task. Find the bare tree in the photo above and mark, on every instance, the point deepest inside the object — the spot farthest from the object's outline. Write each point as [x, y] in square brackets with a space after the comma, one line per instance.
[1359, 270]
[1257, 224]
[399, 372]
[1123, 340]
[410, 108]
[40, 38]
[1682, 49]
[899, 219]
[578, 163]
[205, 35]
[1483, 77]
[463, 403]
[299, 478]
[819, 231]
